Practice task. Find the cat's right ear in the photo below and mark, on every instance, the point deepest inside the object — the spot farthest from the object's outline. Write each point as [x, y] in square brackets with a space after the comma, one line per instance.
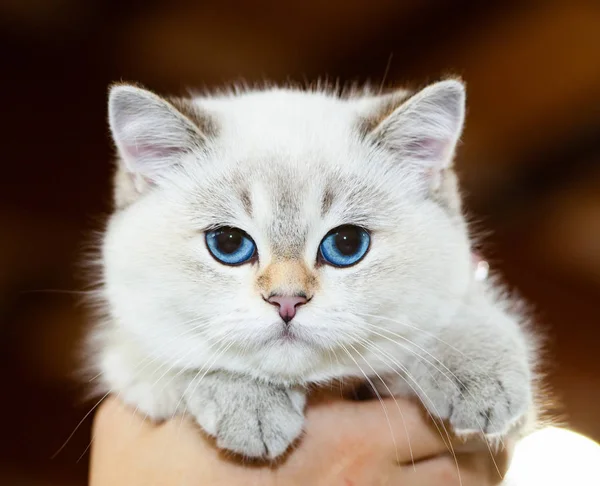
[150, 133]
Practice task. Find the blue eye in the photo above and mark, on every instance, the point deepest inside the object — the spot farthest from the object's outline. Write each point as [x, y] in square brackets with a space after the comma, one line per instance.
[344, 246]
[230, 246]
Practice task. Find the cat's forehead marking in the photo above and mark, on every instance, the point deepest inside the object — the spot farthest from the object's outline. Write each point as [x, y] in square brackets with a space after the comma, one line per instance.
[286, 205]
[326, 200]
[287, 231]
[246, 201]
[278, 201]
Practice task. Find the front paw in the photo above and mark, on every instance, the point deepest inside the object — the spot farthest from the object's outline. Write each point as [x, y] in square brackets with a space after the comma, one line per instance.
[262, 431]
[480, 399]
[252, 419]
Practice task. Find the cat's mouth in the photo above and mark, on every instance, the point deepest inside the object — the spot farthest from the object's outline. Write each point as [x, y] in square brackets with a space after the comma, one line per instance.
[289, 334]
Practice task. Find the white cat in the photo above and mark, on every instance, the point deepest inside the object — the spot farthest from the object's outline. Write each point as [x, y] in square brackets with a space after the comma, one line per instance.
[270, 239]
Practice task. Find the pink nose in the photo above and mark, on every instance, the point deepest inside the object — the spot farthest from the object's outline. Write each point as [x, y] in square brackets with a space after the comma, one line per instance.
[287, 305]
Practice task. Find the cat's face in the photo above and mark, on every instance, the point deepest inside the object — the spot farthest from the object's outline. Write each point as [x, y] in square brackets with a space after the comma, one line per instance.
[287, 240]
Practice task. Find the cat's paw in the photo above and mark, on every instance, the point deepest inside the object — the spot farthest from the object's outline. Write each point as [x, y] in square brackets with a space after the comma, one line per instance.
[488, 400]
[252, 419]
[264, 432]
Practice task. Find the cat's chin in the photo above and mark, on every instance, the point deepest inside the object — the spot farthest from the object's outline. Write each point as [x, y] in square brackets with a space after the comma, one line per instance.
[287, 360]
[288, 336]
[283, 336]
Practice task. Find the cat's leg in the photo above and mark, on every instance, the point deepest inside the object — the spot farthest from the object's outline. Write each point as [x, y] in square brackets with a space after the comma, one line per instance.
[246, 416]
[151, 388]
[476, 373]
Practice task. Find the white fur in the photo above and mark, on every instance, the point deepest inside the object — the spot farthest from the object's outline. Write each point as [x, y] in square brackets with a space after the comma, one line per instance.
[183, 314]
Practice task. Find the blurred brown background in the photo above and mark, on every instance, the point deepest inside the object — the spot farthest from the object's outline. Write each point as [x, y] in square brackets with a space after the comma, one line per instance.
[530, 161]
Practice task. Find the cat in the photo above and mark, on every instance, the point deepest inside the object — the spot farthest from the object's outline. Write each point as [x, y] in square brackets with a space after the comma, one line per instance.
[267, 240]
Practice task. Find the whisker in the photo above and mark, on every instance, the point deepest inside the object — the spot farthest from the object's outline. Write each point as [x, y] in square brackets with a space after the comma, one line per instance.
[435, 422]
[84, 451]
[183, 370]
[79, 425]
[337, 359]
[95, 377]
[149, 360]
[411, 326]
[443, 374]
[330, 354]
[461, 383]
[58, 291]
[136, 374]
[467, 357]
[426, 333]
[427, 352]
[412, 457]
[386, 72]
[222, 349]
[403, 368]
[208, 369]
[385, 411]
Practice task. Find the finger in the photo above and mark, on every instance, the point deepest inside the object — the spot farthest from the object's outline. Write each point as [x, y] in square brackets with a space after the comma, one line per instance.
[386, 426]
[131, 451]
[472, 470]
[113, 417]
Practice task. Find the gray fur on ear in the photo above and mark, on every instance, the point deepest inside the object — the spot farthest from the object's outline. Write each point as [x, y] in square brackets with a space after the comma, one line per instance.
[150, 133]
[424, 130]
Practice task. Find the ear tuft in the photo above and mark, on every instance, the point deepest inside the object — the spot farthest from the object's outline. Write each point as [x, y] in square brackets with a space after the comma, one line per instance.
[151, 135]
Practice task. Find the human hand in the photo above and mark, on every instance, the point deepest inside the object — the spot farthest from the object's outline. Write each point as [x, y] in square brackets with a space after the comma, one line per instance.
[346, 443]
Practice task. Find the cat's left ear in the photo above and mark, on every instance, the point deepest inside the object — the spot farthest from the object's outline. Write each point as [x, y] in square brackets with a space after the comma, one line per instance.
[423, 130]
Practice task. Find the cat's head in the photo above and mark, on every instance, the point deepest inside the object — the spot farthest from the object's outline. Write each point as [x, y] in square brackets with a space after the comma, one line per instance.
[271, 231]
